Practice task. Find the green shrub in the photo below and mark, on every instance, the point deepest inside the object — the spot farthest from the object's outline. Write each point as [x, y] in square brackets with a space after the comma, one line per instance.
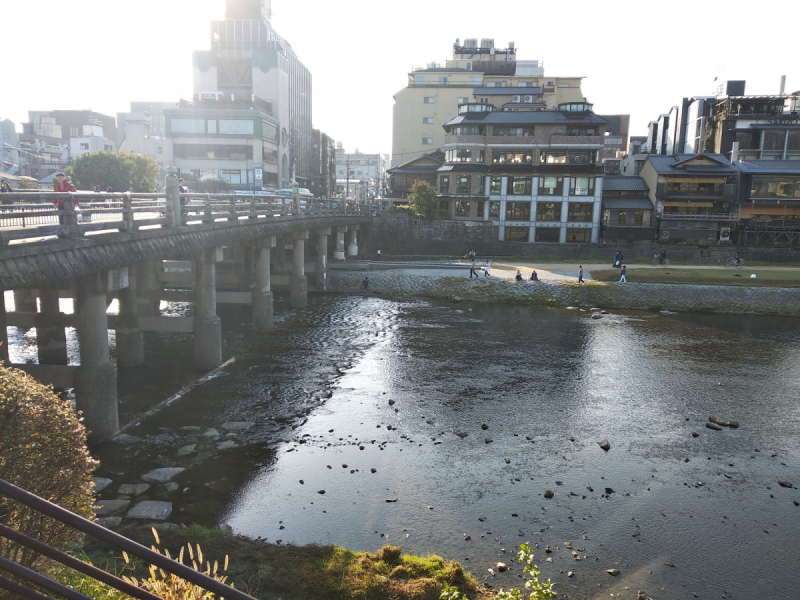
[42, 450]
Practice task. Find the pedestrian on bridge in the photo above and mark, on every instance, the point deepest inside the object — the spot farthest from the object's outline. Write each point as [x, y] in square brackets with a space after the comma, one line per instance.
[61, 185]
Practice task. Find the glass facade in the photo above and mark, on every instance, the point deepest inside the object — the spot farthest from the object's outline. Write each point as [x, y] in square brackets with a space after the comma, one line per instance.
[548, 211]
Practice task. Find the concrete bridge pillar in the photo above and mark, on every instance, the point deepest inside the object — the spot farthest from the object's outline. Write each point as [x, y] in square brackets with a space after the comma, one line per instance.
[146, 282]
[3, 329]
[130, 341]
[338, 254]
[24, 300]
[280, 256]
[51, 339]
[207, 325]
[262, 295]
[96, 377]
[298, 285]
[321, 274]
[352, 247]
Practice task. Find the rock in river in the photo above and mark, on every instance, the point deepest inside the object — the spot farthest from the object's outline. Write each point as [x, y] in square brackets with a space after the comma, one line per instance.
[162, 475]
[133, 489]
[785, 484]
[605, 445]
[105, 508]
[548, 493]
[101, 483]
[150, 510]
[713, 426]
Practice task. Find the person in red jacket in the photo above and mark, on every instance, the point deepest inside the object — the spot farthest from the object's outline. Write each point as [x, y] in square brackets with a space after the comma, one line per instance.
[62, 185]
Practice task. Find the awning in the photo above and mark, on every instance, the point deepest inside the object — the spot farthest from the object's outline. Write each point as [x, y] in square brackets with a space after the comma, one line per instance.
[628, 203]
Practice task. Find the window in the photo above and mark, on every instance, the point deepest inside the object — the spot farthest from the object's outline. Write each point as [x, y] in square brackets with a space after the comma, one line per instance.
[622, 217]
[581, 186]
[419, 79]
[160, 150]
[187, 126]
[495, 186]
[612, 141]
[462, 208]
[84, 146]
[444, 184]
[773, 140]
[794, 140]
[442, 80]
[494, 84]
[524, 84]
[465, 184]
[548, 211]
[427, 120]
[494, 210]
[513, 131]
[73, 132]
[428, 100]
[583, 131]
[211, 126]
[463, 100]
[581, 158]
[765, 186]
[553, 158]
[563, 85]
[513, 156]
[517, 234]
[551, 186]
[547, 234]
[237, 127]
[427, 141]
[476, 81]
[464, 155]
[468, 130]
[695, 189]
[519, 186]
[580, 211]
[224, 151]
[518, 211]
[577, 235]
[108, 148]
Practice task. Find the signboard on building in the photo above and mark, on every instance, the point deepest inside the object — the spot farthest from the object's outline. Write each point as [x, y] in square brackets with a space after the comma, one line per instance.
[259, 174]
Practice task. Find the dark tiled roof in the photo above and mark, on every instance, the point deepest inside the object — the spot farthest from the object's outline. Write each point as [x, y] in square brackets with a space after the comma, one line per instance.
[465, 168]
[769, 167]
[630, 202]
[430, 170]
[507, 91]
[507, 117]
[620, 183]
[675, 165]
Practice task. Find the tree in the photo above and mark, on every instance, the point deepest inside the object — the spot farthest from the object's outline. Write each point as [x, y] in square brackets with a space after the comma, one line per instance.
[43, 450]
[213, 186]
[422, 199]
[121, 172]
[27, 184]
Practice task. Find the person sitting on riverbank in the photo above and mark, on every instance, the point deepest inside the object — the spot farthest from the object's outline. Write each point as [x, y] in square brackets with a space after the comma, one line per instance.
[534, 276]
[518, 276]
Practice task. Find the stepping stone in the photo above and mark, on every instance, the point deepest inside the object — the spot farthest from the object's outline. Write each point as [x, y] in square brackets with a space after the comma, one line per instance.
[101, 483]
[227, 445]
[189, 428]
[236, 426]
[162, 475]
[105, 508]
[187, 450]
[151, 510]
[133, 489]
[211, 433]
[109, 522]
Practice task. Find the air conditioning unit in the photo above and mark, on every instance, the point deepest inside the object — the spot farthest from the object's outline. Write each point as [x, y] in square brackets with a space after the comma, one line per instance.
[665, 235]
[515, 99]
[528, 99]
[724, 235]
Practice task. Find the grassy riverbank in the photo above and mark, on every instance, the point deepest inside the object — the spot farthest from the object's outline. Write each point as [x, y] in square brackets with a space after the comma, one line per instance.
[781, 278]
[270, 571]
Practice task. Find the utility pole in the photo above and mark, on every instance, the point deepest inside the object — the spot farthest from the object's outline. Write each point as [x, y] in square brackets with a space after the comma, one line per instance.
[347, 162]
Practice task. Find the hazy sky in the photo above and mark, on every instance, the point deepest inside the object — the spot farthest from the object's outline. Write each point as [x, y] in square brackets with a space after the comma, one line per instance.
[639, 57]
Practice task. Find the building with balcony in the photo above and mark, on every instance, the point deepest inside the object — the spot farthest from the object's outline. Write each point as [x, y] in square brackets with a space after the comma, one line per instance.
[769, 196]
[694, 195]
[628, 213]
[423, 168]
[535, 174]
[249, 62]
[229, 142]
[323, 181]
[478, 72]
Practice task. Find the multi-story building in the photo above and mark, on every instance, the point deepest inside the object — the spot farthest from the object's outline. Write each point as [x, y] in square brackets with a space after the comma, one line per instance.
[68, 124]
[9, 147]
[769, 196]
[249, 61]
[536, 174]
[323, 183]
[366, 172]
[477, 73]
[235, 142]
[423, 168]
[694, 195]
[628, 214]
[143, 130]
[615, 142]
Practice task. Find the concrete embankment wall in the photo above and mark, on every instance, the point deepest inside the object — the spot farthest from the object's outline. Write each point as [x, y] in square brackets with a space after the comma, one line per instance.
[644, 296]
[403, 236]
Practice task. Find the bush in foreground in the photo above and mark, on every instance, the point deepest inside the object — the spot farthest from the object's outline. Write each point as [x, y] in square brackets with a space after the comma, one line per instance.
[42, 450]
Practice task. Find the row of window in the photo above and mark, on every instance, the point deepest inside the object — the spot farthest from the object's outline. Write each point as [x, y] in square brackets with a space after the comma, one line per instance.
[577, 212]
[764, 186]
[770, 139]
[519, 186]
[548, 234]
[518, 156]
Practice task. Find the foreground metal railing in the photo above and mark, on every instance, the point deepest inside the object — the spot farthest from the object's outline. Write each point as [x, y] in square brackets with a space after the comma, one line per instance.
[29, 215]
[24, 574]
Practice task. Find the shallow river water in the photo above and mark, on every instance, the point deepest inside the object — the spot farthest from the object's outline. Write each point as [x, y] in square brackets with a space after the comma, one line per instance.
[464, 415]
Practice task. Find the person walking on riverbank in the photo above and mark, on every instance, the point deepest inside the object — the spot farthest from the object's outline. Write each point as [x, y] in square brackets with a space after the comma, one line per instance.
[472, 270]
[580, 273]
[622, 278]
[617, 260]
[487, 268]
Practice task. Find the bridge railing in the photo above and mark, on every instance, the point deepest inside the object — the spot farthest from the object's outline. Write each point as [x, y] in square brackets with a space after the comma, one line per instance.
[32, 215]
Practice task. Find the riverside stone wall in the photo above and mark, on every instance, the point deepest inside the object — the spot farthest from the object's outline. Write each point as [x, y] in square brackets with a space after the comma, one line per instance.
[644, 296]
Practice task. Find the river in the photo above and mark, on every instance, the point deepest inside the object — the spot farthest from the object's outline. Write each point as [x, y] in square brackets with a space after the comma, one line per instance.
[440, 427]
